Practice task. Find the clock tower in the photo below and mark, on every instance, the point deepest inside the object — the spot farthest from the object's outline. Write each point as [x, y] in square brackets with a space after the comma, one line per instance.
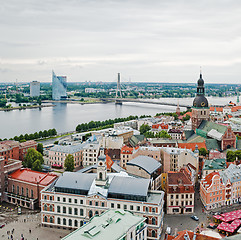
[200, 110]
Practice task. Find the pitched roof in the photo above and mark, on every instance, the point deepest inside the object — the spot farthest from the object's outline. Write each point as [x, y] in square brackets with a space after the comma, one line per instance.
[129, 186]
[208, 179]
[70, 149]
[218, 109]
[28, 175]
[135, 139]
[175, 178]
[192, 146]
[207, 126]
[191, 236]
[148, 164]
[188, 133]
[212, 144]
[126, 150]
[214, 164]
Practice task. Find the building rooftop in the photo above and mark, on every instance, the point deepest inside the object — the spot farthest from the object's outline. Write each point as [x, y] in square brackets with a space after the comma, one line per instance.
[232, 173]
[207, 126]
[192, 146]
[27, 143]
[215, 164]
[31, 176]
[112, 224]
[70, 149]
[148, 164]
[175, 178]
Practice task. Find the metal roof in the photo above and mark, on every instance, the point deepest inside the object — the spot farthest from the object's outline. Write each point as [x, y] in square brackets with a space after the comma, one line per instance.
[70, 149]
[75, 180]
[129, 186]
[150, 165]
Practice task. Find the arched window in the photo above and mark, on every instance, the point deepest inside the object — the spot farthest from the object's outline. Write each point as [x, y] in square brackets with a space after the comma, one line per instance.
[90, 214]
[76, 211]
[70, 210]
[45, 219]
[64, 221]
[45, 207]
[51, 208]
[13, 189]
[153, 233]
[153, 221]
[75, 223]
[96, 213]
[81, 212]
[81, 223]
[58, 220]
[100, 175]
[70, 222]
[51, 219]
[58, 209]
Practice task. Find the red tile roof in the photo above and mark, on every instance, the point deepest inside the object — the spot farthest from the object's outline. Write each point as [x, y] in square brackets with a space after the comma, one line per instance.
[218, 109]
[208, 179]
[28, 175]
[192, 145]
[127, 150]
[181, 235]
[184, 115]
[28, 143]
[236, 108]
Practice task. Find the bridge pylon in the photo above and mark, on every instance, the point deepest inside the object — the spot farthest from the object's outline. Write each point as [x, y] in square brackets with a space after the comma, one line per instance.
[118, 90]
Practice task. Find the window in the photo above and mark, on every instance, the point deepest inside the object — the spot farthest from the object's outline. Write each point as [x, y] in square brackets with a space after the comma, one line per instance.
[97, 213]
[147, 209]
[76, 211]
[171, 203]
[75, 223]
[171, 196]
[182, 196]
[51, 208]
[26, 192]
[186, 202]
[50, 198]
[90, 214]
[45, 207]
[125, 206]
[64, 221]
[64, 209]
[81, 201]
[58, 209]
[190, 202]
[31, 193]
[153, 221]
[45, 219]
[176, 203]
[153, 210]
[58, 220]
[18, 190]
[131, 207]
[112, 205]
[75, 201]
[118, 205]
[70, 210]
[102, 204]
[81, 212]
[13, 189]
[210, 194]
[138, 208]
[51, 220]
[22, 191]
[96, 203]
[90, 203]
[70, 222]
[58, 199]
[45, 197]
[177, 196]
[64, 199]
[153, 233]
[70, 200]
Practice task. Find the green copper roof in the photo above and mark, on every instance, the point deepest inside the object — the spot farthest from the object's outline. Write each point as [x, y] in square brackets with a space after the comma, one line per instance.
[214, 164]
[112, 224]
[212, 144]
[207, 126]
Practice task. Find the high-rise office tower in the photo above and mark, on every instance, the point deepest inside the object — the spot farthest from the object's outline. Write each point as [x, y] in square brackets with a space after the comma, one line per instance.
[59, 87]
[34, 89]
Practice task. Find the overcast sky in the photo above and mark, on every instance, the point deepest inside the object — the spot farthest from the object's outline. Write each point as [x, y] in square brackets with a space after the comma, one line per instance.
[144, 40]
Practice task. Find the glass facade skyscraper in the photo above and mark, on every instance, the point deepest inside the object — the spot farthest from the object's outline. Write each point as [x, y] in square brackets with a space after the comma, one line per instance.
[59, 87]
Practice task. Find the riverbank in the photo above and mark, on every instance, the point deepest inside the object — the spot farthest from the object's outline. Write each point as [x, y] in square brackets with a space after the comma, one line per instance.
[26, 107]
[76, 101]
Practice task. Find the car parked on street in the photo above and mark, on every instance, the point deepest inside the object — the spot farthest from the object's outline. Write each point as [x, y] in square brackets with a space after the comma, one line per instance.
[194, 218]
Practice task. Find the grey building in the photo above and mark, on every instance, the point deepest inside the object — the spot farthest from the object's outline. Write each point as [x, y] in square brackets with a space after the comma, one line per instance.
[59, 87]
[34, 89]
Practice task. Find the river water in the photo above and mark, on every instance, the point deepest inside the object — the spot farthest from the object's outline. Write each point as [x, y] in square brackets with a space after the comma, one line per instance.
[65, 117]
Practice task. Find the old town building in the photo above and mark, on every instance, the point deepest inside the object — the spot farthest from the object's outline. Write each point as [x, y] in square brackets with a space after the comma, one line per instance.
[179, 193]
[76, 197]
[24, 186]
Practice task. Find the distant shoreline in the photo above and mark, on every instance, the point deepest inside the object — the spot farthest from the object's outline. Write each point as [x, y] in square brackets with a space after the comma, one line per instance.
[25, 107]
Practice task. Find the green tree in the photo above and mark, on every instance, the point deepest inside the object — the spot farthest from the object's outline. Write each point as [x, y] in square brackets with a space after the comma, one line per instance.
[163, 134]
[231, 156]
[31, 156]
[144, 128]
[203, 152]
[40, 148]
[37, 166]
[69, 163]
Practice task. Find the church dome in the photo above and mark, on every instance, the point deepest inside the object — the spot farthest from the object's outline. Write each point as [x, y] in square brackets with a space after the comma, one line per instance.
[200, 101]
[200, 81]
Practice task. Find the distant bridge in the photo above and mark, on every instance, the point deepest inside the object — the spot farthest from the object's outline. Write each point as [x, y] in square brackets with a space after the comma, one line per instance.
[149, 101]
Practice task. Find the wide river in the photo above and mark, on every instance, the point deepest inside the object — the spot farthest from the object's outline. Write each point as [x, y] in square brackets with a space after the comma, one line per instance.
[65, 117]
